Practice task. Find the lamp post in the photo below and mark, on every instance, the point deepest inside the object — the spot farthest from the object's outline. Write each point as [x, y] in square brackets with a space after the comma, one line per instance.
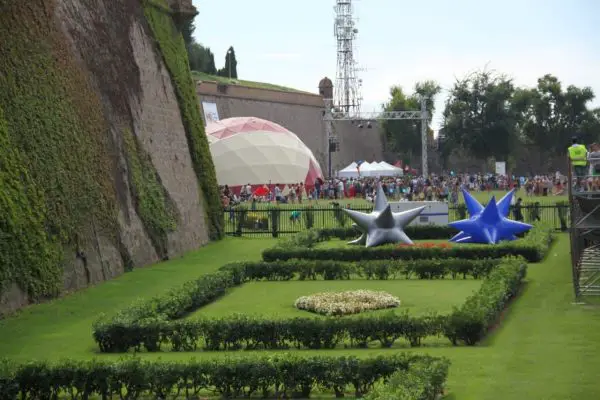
[229, 61]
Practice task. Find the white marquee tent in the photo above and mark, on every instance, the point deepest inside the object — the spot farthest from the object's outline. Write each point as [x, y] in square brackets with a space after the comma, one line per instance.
[349, 172]
[374, 169]
[390, 169]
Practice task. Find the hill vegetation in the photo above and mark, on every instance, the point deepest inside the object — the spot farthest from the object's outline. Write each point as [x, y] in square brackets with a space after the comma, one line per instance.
[202, 64]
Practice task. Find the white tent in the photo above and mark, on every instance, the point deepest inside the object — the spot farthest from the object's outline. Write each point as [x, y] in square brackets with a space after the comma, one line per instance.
[349, 172]
[390, 170]
[367, 170]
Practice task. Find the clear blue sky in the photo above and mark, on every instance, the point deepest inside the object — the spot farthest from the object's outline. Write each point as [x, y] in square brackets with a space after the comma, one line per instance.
[291, 43]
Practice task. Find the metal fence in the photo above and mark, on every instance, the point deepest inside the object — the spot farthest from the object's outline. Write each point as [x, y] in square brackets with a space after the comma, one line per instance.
[282, 221]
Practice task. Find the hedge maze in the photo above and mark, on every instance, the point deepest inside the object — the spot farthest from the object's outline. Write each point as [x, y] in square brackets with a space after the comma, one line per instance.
[161, 324]
[165, 324]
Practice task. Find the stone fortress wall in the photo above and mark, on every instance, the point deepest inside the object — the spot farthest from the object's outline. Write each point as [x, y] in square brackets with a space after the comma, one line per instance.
[301, 113]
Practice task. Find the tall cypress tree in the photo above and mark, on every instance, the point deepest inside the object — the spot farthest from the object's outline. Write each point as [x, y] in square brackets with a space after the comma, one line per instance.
[230, 62]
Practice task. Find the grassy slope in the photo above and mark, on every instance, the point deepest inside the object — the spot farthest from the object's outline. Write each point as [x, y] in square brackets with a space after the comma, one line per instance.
[201, 76]
[546, 348]
[62, 328]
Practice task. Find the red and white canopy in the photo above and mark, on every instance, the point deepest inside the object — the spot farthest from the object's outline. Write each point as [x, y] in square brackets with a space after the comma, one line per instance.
[248, 150]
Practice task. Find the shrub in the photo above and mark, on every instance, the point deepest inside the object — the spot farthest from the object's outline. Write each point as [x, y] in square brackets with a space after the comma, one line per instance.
[150, 325]
[255, 221]
[532, 247]
[376, 269]
[280, 376]
[422, 381]
[470, 322]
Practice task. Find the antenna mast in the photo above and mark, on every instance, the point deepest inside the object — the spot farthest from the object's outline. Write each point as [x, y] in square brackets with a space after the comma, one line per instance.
[347, 96]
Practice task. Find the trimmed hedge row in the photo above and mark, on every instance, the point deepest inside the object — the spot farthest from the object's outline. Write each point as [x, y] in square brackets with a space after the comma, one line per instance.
[369, 269]
[281, 376]
[422, 381]
[467, 324]
[415, 232]
[532, 247]
[310, 237]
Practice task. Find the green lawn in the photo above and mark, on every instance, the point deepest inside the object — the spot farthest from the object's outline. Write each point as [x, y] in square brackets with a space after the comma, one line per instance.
[62, 328]
[546, 348]
[482, 197]
[277, 298]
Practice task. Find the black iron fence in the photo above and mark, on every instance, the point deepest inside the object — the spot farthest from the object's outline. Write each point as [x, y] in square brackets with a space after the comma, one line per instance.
[241, 221]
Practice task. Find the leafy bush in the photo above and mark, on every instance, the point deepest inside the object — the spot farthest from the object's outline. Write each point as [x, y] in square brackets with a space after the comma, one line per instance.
[532, 247]
[255, 221]
[418, 232]
[422, 381]
[470, 322]
[370, 269]
[280, 376]
[152, 324]
[144, 316]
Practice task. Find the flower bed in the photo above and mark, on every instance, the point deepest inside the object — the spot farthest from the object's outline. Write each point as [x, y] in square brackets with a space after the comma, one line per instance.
[346, 303]
[427, 245]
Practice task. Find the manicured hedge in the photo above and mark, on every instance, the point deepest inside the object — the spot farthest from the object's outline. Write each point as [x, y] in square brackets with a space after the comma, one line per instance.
[422, 381]
[418, 232]
[369, 269]
[311, 237]
[137, 328]
[532, 247]
[279, 376]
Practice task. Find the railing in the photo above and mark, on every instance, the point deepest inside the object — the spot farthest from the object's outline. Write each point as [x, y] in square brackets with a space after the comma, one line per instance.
[282, 221]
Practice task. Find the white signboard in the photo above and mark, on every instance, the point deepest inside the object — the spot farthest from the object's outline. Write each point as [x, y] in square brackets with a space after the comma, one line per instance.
[500, 168]
[435, 212]
[211, 114]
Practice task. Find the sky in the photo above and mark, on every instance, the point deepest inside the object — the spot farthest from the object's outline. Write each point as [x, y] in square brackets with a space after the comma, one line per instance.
[292, 43]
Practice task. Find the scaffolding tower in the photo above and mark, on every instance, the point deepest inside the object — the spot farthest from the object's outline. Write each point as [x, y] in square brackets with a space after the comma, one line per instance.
[585, 235]
[347, 96]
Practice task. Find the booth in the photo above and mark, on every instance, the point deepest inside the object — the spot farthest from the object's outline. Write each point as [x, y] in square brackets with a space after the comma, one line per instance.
[435, 212]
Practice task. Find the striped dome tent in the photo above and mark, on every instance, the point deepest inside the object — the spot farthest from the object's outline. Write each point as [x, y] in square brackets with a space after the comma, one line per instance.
[256, 151]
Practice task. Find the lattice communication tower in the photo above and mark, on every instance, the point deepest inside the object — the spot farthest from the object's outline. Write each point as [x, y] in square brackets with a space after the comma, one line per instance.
[347, 96]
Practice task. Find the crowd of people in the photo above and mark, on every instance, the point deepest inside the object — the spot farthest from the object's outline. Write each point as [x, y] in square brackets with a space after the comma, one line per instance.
[432, 188]
[586, 163]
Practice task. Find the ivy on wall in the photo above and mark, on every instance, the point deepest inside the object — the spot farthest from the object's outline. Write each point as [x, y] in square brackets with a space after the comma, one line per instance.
[27, 254]
[172, 47]
[151, 201]
[56, 172]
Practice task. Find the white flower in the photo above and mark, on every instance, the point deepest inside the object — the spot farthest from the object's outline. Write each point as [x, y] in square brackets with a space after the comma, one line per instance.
[344, 303]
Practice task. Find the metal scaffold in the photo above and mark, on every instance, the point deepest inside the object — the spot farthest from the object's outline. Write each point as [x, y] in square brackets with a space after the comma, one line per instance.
[346, 102]
[585, 235]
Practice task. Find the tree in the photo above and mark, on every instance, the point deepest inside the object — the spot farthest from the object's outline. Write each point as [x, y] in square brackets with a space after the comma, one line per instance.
[550, 116]
[479, 116]
[201, 59]
[187, 31]
[403, 137]
[230, 69]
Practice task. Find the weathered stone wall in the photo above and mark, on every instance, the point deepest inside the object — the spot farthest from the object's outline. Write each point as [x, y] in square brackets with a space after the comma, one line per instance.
[301, 113]
[152, 205]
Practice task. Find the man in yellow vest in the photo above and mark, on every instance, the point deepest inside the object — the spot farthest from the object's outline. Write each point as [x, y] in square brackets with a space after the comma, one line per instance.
[578, 157]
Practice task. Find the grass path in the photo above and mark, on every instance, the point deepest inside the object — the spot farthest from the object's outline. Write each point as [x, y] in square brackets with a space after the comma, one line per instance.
[546, 348]
[62, 328]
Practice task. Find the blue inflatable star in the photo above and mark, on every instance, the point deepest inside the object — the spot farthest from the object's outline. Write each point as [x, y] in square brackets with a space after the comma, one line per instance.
[488, 225]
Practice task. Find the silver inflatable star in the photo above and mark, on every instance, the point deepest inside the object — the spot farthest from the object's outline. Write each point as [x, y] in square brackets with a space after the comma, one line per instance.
[382, 226]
